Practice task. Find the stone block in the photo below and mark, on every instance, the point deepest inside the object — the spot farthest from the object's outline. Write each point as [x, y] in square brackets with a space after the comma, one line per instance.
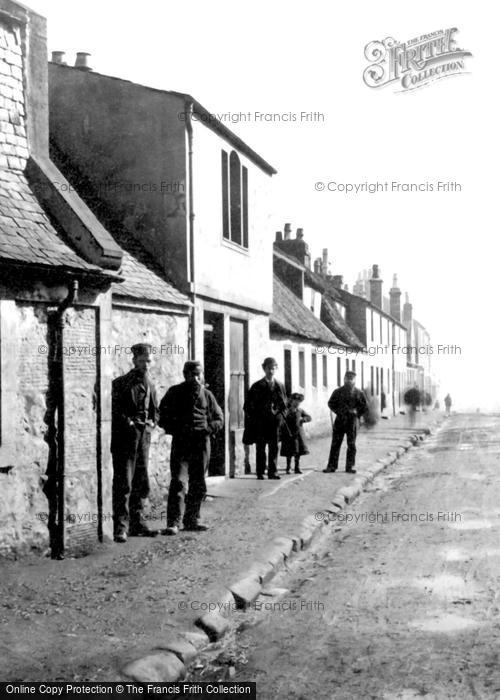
[213, 624]
[306, 536]
[181, 648]
[284, 544]
[198, 639]
[163, 667]
[245, 591]
[260, 571]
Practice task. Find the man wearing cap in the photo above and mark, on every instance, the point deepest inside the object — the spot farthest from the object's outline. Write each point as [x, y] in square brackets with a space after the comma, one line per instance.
[190, 413]
[134, 416]
[265, 408]
[348, 404]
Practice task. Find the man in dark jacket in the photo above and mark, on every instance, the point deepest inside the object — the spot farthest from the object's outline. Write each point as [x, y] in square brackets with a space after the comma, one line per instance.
[264, 411]
[190, 413]
[134, 416]
[348, 404]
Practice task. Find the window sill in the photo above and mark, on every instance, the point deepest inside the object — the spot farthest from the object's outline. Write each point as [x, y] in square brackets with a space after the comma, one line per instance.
[235, 246]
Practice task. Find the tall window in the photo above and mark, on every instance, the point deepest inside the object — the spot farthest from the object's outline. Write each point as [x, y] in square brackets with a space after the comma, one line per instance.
[372, 383]
[302, 369]
[338, 372]
[234, 199]
[325, 371]
[371, 324]
[314, 368]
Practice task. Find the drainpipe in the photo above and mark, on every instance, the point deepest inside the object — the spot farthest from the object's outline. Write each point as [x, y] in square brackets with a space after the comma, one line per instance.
[58, 549]
[189, 129]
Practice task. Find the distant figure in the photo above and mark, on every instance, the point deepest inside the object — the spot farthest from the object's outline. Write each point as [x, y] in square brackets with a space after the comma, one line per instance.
[264, 408]
[348, 404]
[293, 442]
[437, 405]
[447, 404]
[412, 399]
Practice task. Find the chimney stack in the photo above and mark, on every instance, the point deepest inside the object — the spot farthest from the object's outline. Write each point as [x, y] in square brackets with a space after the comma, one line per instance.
[317, 266]
[324, 266]
[338, 281]
[376, 288]
[407, 312]
[82, 61]
[59, 57]
[395, 299]
[288, 232]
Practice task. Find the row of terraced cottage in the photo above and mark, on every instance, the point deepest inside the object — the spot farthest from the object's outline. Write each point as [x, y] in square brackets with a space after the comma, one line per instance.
[128, 215]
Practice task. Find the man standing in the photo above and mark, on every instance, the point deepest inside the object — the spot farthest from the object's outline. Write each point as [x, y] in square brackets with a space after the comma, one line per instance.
[134, 416]
[190, 413]
[264, 410]
[348, 404]
[447, 404]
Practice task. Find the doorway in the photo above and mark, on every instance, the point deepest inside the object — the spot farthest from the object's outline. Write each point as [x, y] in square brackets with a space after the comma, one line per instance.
[213, 352]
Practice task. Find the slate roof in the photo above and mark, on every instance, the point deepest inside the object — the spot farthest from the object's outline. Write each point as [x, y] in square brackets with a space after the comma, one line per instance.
[332, 318]
[292, 317]
[142, 282]
[26, 233]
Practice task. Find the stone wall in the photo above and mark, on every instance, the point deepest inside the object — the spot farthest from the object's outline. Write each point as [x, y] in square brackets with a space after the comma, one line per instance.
[21, 496]
[24, 452]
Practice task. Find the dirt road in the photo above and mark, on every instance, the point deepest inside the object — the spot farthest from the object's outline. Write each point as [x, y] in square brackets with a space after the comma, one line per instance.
[401, 600]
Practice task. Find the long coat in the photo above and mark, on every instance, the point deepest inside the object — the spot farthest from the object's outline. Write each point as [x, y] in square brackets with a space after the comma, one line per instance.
[264, 408]
[124, 406]
[293, 439]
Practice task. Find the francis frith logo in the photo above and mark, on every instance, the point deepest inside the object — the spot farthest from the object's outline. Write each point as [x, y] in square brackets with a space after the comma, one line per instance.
[414, 63]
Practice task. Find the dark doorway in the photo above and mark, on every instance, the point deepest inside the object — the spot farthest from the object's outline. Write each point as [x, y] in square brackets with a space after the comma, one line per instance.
[213, 347]
[238, 372]
[288, 372]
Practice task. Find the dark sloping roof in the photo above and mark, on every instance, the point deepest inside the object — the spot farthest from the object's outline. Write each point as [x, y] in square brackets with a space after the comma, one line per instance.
[142, 282]
[209, 119]
[26, 234]
[332, 318]
[292, 317]
[314, 280]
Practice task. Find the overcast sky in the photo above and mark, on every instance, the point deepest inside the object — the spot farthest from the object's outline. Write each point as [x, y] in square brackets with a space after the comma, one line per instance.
[292, 57]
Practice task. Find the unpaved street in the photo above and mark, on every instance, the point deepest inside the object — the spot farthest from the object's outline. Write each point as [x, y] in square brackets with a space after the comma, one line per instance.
[403, 603]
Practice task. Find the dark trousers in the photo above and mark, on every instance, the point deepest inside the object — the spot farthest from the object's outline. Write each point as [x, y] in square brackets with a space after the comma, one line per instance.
[271, 441]
[189, 460]
[130, 479]
[348, 428]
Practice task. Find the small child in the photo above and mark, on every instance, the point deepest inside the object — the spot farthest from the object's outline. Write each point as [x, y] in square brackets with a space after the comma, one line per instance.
[293, 442]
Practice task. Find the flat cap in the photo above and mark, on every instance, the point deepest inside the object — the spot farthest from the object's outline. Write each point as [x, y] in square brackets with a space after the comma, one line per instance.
[191, 365]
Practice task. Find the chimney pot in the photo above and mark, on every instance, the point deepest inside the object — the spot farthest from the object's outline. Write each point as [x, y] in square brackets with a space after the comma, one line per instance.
[59, 57]
[300, 233]
[82, 61]
[279, 236]
[375, 272]
[288, 231]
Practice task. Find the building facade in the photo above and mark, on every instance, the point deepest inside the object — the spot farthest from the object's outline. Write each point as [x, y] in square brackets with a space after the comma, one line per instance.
[57, 265]
[164, 170]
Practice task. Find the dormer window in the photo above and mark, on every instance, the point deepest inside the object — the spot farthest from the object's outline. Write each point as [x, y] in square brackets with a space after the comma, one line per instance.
[234, 199]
